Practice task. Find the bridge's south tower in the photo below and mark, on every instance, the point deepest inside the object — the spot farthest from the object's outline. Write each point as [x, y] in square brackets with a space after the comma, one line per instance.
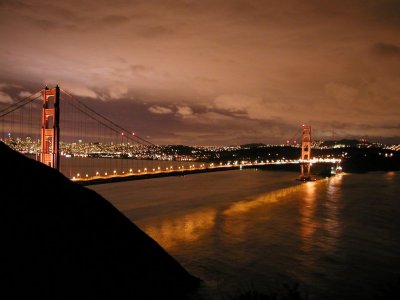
[50, 133]
[306, 153]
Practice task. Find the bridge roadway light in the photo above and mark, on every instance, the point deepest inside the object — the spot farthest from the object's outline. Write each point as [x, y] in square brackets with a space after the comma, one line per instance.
[97, 173]
[115, 172]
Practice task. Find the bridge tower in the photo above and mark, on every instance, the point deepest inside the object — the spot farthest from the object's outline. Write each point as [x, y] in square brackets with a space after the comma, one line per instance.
[50, 133]
[306, 153]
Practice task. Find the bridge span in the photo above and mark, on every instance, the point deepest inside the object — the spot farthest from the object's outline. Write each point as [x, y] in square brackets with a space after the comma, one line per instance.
[333, 163]
[61, 117]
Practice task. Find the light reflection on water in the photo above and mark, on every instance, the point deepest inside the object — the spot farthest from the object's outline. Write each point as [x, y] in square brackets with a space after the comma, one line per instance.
[307, 208]
[188, 228]
[246, 206]
[332, 224]
[337, 237]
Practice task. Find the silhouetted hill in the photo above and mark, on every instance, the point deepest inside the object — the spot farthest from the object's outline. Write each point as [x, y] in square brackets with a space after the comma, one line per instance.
[60, 240]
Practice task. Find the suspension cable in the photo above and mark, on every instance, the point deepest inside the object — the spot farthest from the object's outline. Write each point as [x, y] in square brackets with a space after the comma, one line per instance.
[108, 120]
[17, 103]
[4, 112]
[103, 123]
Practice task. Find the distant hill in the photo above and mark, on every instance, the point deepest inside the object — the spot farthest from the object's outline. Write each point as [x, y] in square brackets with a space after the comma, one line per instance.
[60, 240]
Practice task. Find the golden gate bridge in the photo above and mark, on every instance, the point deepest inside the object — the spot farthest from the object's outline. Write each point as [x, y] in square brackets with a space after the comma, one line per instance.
[32, 126]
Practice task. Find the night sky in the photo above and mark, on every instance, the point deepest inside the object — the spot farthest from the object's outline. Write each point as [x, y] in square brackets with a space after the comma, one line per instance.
[213, 72]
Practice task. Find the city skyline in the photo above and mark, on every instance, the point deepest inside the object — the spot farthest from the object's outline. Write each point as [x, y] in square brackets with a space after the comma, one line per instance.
[211, 72]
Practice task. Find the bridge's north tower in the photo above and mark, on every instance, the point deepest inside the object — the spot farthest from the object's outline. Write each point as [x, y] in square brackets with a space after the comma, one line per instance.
[50, 133]
[306, 153]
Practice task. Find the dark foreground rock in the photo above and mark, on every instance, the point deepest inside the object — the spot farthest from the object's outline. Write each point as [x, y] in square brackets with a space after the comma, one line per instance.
[60, 240]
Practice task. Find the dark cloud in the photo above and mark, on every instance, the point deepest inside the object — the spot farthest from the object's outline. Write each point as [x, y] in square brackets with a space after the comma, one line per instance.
[46, 24]
[141, 68]
[115, 19]
[387, 12]
[386, 50]
[216, 69]
[155, 31]
[15, 4]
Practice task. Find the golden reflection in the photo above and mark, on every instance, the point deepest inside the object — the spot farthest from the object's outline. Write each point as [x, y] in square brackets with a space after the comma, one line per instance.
[390, 175]
[233, 222]
[245, 206]
[187, 228]
[307, 208]
[332, 223]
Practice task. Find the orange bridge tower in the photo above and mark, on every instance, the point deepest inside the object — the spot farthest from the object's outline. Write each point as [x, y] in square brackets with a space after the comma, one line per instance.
[306, 153]
[50, 132]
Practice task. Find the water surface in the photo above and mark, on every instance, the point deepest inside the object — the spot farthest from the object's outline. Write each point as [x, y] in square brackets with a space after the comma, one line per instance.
[338, 238]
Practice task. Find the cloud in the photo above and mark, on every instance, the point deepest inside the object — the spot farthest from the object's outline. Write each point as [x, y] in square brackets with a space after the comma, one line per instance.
[46, 24]
[155, 31]
[252, 107]
[156, 109]
[5, 98]
[114, 19]
[184, 111]
[246, 61]
[118, 91]
[4, 85]
[386, 50]
[341, 93]
[141, 68]
[205, 80]
[142, 71]
[238, 104]
[24, 94]
[79, 90]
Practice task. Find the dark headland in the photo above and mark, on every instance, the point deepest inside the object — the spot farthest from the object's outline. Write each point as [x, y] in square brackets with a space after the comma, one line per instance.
[60, 240]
